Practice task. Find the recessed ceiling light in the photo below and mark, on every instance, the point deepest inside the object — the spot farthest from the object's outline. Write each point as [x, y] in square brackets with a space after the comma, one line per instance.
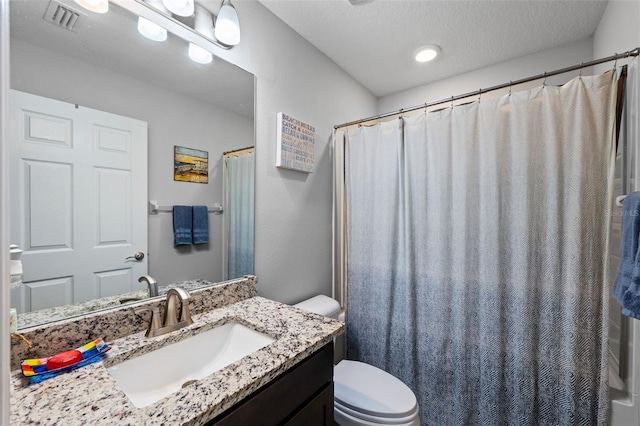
[426, 53]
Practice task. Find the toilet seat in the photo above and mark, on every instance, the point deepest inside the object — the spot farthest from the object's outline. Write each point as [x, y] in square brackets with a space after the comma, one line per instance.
[369, 394]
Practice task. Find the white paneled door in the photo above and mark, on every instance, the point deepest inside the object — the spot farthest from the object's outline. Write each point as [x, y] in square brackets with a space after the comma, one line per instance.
[78, 201]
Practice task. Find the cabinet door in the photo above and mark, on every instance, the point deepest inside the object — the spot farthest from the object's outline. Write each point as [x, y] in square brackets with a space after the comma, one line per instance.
[281, 400]
[318, 412]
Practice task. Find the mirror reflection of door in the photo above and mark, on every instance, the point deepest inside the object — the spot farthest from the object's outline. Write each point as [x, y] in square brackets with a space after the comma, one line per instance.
[239, 179]
[77, 177]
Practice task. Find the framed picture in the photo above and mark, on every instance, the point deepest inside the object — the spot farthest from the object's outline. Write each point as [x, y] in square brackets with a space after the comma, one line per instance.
[295, 144]
[190, 165]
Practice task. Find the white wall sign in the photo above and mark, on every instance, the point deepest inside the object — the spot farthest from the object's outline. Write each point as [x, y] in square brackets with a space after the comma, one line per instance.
[295, 144]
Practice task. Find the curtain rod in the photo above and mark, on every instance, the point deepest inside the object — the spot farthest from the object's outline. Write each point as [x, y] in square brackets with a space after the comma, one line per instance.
[237, 150]
[634, 52]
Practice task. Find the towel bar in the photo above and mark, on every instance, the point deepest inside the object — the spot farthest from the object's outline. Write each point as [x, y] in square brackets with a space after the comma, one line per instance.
[619, 200]
[154, 208]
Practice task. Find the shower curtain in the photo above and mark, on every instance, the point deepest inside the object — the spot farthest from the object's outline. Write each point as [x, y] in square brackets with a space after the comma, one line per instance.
[239, 188]
[476, 246]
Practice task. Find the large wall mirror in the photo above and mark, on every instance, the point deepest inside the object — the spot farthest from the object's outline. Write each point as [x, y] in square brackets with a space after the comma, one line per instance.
[87, 94]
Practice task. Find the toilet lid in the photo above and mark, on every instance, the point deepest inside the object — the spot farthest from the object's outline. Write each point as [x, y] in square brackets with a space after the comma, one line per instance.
[369, 390]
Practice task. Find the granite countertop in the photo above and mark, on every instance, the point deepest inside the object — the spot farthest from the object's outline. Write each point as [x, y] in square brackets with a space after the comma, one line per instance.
[31, 319]
[90, 395]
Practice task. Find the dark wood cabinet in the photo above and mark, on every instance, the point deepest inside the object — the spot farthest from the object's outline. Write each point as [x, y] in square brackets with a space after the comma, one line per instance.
[318, 412]
[301, 396]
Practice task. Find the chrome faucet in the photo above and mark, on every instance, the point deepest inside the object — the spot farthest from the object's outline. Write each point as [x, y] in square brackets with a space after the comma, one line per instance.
[174, 318]
[151, 283]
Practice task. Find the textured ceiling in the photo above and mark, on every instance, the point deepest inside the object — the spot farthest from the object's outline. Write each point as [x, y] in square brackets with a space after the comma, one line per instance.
[112, 41]
[374, 42]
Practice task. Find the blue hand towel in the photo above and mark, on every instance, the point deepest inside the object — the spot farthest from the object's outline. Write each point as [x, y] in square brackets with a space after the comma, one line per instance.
[182, 225]
[626, 287]
[200, 224]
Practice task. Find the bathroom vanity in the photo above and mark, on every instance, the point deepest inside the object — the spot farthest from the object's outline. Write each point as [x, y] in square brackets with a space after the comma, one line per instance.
[289, 381]
[302, 396]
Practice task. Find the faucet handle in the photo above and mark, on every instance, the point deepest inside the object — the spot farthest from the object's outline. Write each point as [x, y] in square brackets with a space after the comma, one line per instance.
[155, 322]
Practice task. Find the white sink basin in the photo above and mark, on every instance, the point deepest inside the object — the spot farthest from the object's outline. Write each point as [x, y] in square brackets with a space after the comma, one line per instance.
[150, 377]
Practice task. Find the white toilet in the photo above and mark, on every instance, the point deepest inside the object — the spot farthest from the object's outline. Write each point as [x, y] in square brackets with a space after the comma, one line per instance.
[364, 394]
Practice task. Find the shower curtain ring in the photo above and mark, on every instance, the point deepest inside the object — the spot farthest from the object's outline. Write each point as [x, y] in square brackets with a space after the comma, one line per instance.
[581, 64]
[510, 83]
[544, 81]
[452, 102]
[479, 94]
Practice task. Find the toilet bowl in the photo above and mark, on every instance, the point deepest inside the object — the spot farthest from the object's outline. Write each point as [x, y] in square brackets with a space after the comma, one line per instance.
[363, 394]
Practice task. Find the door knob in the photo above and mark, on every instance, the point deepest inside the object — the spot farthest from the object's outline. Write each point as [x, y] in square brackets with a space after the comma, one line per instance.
[137, 257]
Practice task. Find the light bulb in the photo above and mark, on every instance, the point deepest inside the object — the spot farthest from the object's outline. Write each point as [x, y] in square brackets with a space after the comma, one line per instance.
[180, 7]
[227, 29]
[98, 6]
[151, 30]
[199, 55]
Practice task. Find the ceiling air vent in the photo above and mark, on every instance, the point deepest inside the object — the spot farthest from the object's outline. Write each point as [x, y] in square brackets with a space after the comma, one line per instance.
[61, 15]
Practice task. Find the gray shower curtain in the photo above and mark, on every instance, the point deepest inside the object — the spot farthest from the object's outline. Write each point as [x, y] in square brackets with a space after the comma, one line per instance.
[239, 190]
[476, 255]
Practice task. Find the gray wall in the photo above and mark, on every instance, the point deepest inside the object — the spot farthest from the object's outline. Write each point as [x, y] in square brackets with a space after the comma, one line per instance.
[173, 119]
[293, 210]
[526, 66]
[618, 30]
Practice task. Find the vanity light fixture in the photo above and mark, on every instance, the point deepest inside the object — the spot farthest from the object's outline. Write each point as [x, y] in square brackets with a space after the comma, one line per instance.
[98, 6]
[227, 24]
[202, 30]
[203, 21]
[149, 29]
[180, 7]
[427, 53]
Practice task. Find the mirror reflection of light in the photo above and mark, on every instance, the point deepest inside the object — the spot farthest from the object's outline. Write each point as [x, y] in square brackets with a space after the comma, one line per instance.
[151, 30]
[227, 25]
[180, 7]
[98, 6]
[199, 55]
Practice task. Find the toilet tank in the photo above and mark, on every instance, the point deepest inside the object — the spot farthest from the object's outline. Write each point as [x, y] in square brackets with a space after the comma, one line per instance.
[322, 305]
